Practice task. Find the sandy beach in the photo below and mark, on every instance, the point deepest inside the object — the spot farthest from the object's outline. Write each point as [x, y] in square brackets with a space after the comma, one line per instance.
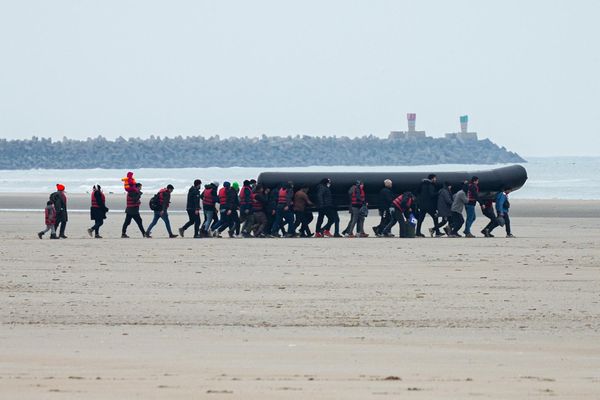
[300, 318]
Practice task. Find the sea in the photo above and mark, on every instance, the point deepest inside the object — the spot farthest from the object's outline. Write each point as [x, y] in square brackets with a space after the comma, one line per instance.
[576, 178]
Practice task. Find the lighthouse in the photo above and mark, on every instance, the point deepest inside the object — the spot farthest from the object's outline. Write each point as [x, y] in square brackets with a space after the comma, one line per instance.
[411, 133]
[464, 133]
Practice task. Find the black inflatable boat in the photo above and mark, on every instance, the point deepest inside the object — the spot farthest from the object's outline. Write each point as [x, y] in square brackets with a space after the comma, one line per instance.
[490, 181]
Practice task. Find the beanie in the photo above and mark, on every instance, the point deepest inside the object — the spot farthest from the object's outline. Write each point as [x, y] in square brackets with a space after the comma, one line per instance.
[60, 187]
[235, 185]
[226, 184]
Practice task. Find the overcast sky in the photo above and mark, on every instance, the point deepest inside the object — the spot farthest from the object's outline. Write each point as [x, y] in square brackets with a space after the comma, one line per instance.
[526, 72]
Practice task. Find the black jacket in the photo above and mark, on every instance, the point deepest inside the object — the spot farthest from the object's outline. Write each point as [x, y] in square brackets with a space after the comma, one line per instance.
[427, 198]
[193, 199]
[60, 206]
[100, 211]
[324, 197]
[386, 196]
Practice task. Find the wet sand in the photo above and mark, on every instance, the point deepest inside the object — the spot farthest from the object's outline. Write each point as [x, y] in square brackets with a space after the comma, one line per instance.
[301, 318]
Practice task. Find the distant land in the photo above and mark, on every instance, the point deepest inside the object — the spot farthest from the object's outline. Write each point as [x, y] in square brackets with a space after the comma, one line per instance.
[265, 151]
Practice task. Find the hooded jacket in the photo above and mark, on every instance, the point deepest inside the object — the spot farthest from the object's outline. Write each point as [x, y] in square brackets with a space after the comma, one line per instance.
[427, 198]
[324, 197]
[460, 199]
[193, 199]
[444, 203]
[386, 196]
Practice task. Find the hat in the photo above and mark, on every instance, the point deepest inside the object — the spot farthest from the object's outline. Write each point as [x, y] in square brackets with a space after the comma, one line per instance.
[226, 184]
[216, 183]
[60, 187]
[235, 185]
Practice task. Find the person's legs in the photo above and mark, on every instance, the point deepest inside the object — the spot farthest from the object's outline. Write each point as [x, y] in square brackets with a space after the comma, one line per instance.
[191, 219]
[138, 220]
[320, 216]
[457, 222]
[387, 229]
[224, 221]
[470, 217]
[308, 218]
[507, 224]
[436, 223]
[165, 217]
[197, 223]
[126, 223]
[208, 217]
[153, 223]
[289, 219]
[336, 221]
[277, 221]
[421, 214]
[98, 223]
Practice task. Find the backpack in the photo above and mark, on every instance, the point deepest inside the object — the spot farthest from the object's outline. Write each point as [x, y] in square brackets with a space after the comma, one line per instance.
[155, 203]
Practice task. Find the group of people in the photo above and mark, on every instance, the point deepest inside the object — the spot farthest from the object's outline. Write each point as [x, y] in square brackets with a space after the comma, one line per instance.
[253, 210]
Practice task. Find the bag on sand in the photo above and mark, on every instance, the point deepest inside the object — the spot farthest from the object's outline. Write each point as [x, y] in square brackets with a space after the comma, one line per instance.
[500, 220]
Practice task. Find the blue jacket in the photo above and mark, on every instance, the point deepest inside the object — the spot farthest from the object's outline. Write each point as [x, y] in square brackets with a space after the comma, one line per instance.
[501, 199]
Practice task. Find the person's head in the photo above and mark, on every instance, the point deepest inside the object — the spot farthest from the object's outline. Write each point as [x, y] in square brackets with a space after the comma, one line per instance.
[60, 187]
[432, 177]
[215, 184]
[170, 188]
[326, 181]
[253, 182]
[97, 187]
[197, 183]
[448, 185]
[138, 185]
[235, 186]
[507, 190]
[226, 184]
[130, 174]
[246, 182]
[48, 203]
[475, 180]
[387, 183]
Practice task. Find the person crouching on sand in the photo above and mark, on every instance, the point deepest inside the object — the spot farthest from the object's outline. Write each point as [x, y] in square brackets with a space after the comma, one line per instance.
[49, 220]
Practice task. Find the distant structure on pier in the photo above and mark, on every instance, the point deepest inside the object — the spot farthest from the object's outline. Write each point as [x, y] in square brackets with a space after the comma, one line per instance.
[411, 133]
[464, 133]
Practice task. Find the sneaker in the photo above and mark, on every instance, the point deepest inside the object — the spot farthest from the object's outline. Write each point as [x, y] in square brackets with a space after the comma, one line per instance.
[318, 235]
[172, 236]
[63, 237]
[197, 236]
[420, 235]
[376, 230]
[40, 234]
[327, 233]
[431, 230]
[337, 235]
[457, 235]
[148, 235]
[98, 237]
[485, 233]
[364, 235]
[124, 236]
[53, 237]
[349, 235]
[89, 231]
[469, 235]
[510, 235]
[181, 231]
[389, 235]
[231, 235]
[439, 234]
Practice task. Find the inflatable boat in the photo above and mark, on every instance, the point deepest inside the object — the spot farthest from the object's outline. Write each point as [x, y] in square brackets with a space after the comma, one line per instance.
[490, 181]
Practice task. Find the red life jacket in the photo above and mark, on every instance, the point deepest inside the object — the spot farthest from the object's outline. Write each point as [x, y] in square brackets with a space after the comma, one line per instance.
[356, 200]
[94, 202]
[161, 192]
[282, 199]
[207, 197]
[245, 200]
[256, 205]
[223, 196]
[398, 203]
[131, 203]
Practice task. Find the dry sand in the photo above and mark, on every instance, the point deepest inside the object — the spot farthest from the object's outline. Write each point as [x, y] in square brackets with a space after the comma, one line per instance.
[301, 318]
